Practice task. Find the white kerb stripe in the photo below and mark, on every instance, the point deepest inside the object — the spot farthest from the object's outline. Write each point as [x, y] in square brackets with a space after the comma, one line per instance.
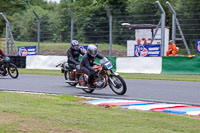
[114, 101]
[193, 112]
[152, 106]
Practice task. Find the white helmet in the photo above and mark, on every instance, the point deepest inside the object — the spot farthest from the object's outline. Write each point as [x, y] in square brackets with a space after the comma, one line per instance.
[92, 50]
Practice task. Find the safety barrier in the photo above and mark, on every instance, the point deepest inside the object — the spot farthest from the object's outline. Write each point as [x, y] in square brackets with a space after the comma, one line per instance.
[19, 61]
[181, 65]
[155, 65]
[44, 62]
[139, 65]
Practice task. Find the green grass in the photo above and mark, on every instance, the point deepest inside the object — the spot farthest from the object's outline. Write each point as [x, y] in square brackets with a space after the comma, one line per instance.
[172, 77]
[50, 113]
[195, 78]
[40, 72]
[63, 46]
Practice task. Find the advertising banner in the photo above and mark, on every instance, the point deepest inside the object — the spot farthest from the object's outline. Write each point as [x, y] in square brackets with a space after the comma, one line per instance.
[26, 50]
[83, 48]
[147, 50]
[198, 46]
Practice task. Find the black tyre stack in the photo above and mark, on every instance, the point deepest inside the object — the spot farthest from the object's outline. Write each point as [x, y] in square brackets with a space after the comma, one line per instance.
[19, 61]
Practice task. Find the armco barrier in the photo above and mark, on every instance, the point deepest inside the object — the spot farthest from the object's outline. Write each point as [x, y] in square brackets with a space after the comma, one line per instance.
[181, 65]
[139, 65]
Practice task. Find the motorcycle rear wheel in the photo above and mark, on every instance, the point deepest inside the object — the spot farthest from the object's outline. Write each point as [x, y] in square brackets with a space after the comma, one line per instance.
[68, 75]
[120, 85]
[13, 71]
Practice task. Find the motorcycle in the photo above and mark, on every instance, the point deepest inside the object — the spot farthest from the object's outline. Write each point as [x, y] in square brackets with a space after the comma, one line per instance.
[104, 76]
[69, 74]
[8, 68]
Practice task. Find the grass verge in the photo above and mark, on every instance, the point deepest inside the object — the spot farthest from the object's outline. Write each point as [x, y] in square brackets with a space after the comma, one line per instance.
[21, 112]
[194, 78]
[63, 46]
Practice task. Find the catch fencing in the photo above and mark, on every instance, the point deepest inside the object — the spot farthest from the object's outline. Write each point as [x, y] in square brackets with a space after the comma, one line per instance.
[103, 26]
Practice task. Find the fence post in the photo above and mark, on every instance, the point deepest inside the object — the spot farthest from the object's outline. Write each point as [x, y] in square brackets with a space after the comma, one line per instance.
[174, 23]
[8, 33]
[72, 24]
[163, 16]
[38, 39]
[110, 29]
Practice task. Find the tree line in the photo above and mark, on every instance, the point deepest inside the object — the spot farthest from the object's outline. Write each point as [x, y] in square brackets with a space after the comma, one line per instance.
[90, 18]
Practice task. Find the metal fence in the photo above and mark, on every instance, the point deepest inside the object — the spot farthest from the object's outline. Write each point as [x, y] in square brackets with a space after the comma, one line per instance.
[97, 30]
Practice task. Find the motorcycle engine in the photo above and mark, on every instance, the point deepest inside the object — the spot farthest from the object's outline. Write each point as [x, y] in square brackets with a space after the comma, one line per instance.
[100, 82]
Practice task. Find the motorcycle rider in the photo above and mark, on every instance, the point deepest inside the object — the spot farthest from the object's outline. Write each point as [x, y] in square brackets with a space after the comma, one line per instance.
[2, 55]
[73, 54]
[88, 61]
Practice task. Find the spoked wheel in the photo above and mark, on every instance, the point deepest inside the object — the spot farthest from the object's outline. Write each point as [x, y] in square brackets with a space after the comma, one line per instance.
[13, 71]
[82, 82]
[68, 76]
[117, 84]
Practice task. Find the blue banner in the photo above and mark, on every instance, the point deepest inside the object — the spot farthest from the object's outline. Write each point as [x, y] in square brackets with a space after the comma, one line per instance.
[27, 50]
[84, 48]
[147, 50]
[198, 46]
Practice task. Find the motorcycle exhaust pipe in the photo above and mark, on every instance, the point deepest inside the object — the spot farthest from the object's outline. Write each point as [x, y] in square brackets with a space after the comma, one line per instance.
[81, 87]
[69, 81]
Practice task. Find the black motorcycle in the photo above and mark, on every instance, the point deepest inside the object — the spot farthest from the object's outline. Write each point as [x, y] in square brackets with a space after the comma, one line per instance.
[8, 68]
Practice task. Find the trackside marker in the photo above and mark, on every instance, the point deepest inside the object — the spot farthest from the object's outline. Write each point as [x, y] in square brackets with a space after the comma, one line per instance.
[193, 113]
[176, 106]
[149, 107]
[121, 103]
[153, 106]
[180, 110]
[128, 105]
[99, 101]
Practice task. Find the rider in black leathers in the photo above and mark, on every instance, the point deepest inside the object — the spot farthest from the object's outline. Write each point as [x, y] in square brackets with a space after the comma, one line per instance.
[73, 54]
[2, 55]
[88, 61]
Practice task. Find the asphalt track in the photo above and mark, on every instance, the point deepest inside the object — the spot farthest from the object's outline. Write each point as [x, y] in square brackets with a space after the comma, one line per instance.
[149, 90]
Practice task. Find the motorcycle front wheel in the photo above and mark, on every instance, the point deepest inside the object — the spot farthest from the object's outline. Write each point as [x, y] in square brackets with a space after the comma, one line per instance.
[13, 71]
[68, 76]
[118, 85]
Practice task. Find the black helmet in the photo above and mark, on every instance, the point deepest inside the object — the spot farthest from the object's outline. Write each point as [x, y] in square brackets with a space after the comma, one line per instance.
[92, 50]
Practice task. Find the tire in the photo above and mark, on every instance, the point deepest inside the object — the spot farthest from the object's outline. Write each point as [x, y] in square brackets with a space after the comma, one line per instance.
[81, 78]
[67, 75]
[121, 88]
[13, 71]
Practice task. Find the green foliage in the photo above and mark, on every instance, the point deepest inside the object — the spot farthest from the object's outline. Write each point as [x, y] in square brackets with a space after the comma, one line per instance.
[91, 23]
[9, 7]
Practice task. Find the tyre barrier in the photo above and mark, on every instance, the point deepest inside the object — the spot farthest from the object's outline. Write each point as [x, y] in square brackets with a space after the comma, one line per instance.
[19, 61]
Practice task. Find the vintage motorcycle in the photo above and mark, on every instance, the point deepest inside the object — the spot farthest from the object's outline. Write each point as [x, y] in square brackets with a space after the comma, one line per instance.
[104, 76]
[8, 68]
[69, 74]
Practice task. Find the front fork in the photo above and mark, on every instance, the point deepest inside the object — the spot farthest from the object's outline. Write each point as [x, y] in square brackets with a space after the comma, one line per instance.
[110, 75]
